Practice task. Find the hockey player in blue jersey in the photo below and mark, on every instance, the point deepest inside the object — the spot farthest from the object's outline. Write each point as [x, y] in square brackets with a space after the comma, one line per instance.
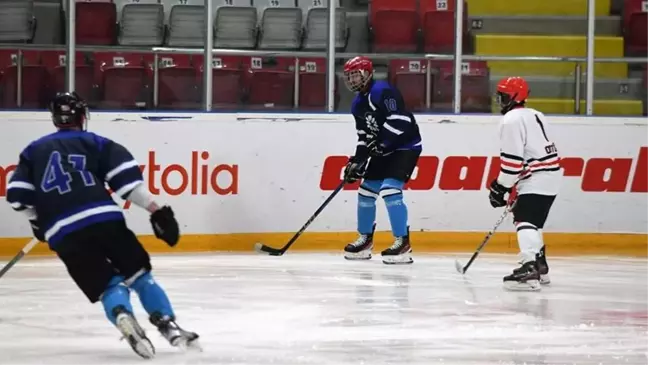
[59, 184]
[389, 145]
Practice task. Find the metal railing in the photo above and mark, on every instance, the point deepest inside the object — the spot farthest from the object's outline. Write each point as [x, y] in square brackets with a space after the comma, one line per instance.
[70, 48]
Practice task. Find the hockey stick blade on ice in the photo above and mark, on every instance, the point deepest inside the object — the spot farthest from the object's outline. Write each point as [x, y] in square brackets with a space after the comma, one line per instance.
[261, 248]
[25, 250]
[462, 269]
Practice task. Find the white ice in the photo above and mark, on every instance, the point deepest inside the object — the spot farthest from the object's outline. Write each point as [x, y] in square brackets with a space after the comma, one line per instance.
[321, 309]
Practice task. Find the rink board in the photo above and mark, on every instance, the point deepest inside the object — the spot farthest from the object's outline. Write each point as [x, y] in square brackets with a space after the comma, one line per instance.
[235, 179]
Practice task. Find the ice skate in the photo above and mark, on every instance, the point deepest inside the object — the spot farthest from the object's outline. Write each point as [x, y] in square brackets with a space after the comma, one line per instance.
[524, 278]
[176, 336]
[133, 333]
[361, 248]
[400, 251]
[543, 267]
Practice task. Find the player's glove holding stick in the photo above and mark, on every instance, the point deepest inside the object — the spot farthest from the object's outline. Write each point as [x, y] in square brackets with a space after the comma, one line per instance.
[165, 225]
[354, 170]
[497, 194]
[36, 230]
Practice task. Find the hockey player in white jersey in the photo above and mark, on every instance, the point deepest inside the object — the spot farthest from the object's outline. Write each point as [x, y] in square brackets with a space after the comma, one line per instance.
[529, 157]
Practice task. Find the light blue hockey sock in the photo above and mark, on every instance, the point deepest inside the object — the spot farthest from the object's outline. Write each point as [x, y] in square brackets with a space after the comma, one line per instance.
[152, 296]
[392, 193]
[115, 295]
[367, 195]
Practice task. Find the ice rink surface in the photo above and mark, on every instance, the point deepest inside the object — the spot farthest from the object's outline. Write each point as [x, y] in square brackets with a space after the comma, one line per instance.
[321, 309]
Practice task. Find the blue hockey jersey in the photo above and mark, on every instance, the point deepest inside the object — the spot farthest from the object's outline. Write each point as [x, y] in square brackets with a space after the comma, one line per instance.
[381, 113]
[63, 177]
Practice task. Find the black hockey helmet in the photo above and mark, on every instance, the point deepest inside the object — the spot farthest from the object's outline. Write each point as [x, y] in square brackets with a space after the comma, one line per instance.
[69, 110]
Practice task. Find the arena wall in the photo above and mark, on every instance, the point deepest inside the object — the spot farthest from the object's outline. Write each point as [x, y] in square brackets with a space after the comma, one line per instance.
[235, 179]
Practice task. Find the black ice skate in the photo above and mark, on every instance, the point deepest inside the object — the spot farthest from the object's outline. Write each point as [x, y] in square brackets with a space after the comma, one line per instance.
[361, 248]
[176, 336]
[400, 252]
[524, 278]
[133, 333]
[543, 267]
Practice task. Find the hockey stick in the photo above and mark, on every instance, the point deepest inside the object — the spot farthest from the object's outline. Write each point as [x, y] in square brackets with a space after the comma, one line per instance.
[25, 250]
[261, 248]
[462, 269]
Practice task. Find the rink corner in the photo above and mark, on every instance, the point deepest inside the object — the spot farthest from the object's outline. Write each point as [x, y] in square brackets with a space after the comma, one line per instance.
[563, 244]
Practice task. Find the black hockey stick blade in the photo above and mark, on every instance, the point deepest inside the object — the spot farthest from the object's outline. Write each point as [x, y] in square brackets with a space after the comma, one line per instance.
[261, 248]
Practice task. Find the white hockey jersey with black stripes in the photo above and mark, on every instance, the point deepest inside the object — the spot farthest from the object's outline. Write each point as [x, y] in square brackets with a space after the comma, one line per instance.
[528, 153]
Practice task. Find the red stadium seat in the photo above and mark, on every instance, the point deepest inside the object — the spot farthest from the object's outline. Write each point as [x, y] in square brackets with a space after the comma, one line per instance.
[438, 24]
[635, 22]
[475, 88]
[178, 83]
[95, 23]
[33, 74]
[312, 84]
[227, 80]
[394, 25]
[123, 80]
[55, 62]
[270, 82]
[408, 76]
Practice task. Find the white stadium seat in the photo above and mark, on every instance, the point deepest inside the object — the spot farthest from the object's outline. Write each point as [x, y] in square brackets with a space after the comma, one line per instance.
[281, 24]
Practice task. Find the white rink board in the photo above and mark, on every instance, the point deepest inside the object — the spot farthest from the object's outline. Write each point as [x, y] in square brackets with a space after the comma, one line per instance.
[280, 161]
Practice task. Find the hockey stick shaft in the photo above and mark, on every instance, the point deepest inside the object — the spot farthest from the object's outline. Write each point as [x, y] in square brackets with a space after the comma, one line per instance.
[486, 239]
[310, 220]
[25, 250]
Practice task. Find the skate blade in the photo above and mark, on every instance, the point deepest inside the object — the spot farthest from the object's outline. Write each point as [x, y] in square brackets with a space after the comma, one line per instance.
[545, 280]
[530, 285]
[398, 260]
[136, 339]
[357, 256]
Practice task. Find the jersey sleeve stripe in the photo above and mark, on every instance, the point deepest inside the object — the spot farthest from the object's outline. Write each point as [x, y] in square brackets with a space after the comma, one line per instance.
[544, 158]
[126, 189]
[510, 172]
[371, 105]
[119, 169]
[21, 185]
[392, 129]
[510, 164]
[511, 157]
[400, 117]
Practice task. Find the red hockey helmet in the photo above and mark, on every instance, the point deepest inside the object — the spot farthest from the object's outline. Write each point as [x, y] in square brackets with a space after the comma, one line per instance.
[358, 71]
[511, 92]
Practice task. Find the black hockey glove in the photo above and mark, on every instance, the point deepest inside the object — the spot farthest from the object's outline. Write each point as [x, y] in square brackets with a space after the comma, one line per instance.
[38, 232]
[376, 149]
[165, 226]
[496, 195]
[354, 170]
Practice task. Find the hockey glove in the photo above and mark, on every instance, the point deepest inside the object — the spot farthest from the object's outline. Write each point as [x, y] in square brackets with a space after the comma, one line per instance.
[376, 149]
[354, 171]
[38, 232]
[165, 226]
[497, 192]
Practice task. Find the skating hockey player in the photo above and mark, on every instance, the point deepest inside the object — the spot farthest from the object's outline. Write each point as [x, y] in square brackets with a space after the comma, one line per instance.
[389, 145]
[528, 155]
[59, 184]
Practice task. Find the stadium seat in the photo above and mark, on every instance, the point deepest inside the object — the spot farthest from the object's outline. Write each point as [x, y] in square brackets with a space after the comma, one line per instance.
[438, 24]
[281, 25]
[227, 80]
[123, 80]
[394, 25]
[270, 82]
[315, 14]
[635, 24]
[95, 23]
[235, 25]
[178, 86]
[409, 77]
[55, 63]
[33, 74]
[141, 24]
[17, 21]
[312, 84]
[475, 96]
[186, 26]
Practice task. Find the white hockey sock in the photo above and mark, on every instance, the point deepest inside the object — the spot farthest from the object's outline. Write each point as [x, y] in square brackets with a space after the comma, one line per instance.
[529, 240]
